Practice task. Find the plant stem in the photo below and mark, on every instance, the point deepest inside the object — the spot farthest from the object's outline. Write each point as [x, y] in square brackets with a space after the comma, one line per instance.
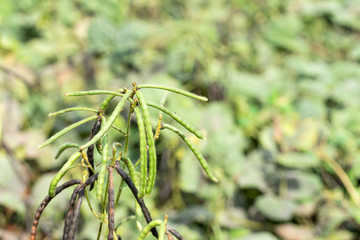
[339, 171]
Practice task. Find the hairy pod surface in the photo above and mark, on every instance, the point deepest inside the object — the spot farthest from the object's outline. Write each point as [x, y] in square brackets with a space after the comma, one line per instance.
[131, 169]
[64, 147]
[150, 141]
[72, 109]
[65, 130]
[196, 152]
[162, 231]
[100, 184]
[143, 152]
[178, 119]
[62, 172]
[119, 107]
[93, 92]
[105, 103]
[148, 228]
[175, 90]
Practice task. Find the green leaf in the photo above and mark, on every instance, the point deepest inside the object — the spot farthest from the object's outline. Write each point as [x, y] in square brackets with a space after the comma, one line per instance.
[274, 208]
[303, 186]
[298, 160]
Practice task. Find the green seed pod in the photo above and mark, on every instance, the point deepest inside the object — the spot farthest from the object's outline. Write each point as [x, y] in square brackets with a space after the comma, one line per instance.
[109, 122]
[131, 169]
[119, 130]
[178, 119]
[98, 147]
[138, 212]
[196, 152]
[62, 172]
[66, 110]
[65, 130]
[175, 90]
[150, 141]
[93, 92]
[101, 177]
[105, 103]
[143, 152]
[64, 147]
[162, 231]
[148, 228]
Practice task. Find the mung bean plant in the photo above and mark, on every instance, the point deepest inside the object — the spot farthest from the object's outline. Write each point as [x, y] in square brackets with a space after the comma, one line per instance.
[140, 177]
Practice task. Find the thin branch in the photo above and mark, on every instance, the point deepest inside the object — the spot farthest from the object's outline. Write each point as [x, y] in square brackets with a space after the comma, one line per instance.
[134, 191]
[45, 202]
[176, 234]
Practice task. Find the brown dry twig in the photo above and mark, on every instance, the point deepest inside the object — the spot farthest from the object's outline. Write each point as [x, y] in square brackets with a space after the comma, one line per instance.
[45, 202]
[90, 151]
[176, 234]
[134, 191]
[111, 209]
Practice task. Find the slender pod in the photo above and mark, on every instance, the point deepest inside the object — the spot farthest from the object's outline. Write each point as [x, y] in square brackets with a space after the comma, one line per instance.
[65, 130]
[138, 212]
[175, 90]
[72, 109]
[75, 217]
[105, 103]
[64, 147]
[93, 92]
[177, 118]
[130, 167]
[150, 141]
[119, 130]
[162, 231]
[128, 122]
[196, 152]
[143, 152]
[111, 209]
[62, 172]
[109, 122]
[70, 213]
[100, 184]
[98, 147]
[148, 228]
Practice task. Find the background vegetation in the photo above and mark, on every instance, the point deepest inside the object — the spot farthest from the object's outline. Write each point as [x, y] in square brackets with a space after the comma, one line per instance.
[282, 123]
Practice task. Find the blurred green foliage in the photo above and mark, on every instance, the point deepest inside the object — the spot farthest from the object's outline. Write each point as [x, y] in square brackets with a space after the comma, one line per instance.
[282, 124]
